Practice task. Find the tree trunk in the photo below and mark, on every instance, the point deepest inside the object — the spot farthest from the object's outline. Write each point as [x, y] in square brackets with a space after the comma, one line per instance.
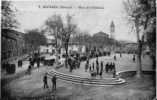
[139, 62]
[66, 50]
[66, 59]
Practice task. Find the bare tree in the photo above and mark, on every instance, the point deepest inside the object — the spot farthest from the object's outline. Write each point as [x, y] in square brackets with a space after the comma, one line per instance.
[35, 38]
[8, 16]
[54, 26]
[148, 21]
[67, 31]
[133, 10]
[142, 16]
[61, 31]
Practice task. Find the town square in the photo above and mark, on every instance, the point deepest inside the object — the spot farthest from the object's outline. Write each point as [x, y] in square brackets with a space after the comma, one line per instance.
[78, 50]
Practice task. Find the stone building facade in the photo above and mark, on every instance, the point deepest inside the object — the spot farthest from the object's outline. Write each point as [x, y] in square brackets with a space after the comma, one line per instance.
[13, 44]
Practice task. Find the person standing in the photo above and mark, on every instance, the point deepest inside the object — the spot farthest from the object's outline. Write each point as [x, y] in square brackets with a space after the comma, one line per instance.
[115, 57]
[38, 62]
[29, 69]
[110, 67]
[101, 69]
[90, 68]
[114, 70]
[86, 66]
[120, 54]
[97, 62]
[54, 82]
[32, 62]
[97, 68]
[134, 58]
[106, 68]
[100, 74]
[45, 81]
[78, 63]
[70, 64]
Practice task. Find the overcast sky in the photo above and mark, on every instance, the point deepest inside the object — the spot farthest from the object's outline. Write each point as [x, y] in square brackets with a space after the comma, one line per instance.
[30, 16]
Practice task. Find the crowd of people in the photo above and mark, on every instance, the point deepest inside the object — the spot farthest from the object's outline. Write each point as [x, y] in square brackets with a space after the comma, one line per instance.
[98, 68]
[74, 63]
[32, 60]
[95, 68]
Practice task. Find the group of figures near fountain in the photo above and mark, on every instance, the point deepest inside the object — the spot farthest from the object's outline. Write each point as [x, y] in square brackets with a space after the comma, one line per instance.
[95, 68]
[98, 68]
[74, 63]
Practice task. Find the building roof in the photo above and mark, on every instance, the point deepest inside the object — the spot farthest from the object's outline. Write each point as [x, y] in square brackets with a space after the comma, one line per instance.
[101, 34]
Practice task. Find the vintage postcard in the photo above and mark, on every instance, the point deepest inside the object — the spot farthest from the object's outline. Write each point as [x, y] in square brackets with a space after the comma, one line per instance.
[78, 50]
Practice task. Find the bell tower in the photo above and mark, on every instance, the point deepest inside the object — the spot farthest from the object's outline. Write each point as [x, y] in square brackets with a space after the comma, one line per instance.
[112, 30]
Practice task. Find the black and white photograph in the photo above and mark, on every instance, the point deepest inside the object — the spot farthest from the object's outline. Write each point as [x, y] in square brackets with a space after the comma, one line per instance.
[78, 50]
